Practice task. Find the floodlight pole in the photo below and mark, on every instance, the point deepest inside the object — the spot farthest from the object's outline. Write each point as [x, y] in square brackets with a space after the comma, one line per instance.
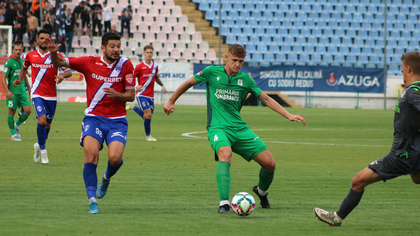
[220, 31]
[385, 66]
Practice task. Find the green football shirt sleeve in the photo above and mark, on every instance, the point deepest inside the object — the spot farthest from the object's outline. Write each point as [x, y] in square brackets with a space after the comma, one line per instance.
[253, 88]
[203, 76]
[6, 69]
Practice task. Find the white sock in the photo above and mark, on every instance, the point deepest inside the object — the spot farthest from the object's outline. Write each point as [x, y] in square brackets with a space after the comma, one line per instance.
[224, 202]
[262, 193]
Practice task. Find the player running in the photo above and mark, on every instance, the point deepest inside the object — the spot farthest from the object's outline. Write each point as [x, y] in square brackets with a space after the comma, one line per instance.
[16, 96]
[147, 73]
[404, 157]
[227, 88]
[44, 90]
[109, 85]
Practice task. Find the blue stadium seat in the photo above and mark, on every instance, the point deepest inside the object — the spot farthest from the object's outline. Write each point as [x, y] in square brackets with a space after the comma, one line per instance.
[269, 57]
[309, 49]
[262, 48]
[326, 59]
[359, 41]
[248, 30]
[236, 30]
[274, 48]
[294, 7]
[249, 6]
[347, 41]
[286, 49]
[271, 31]
[231, 39]
[320, 50]
[335, 41]
[289, 40]
[225, 30]
[210, 14]
[281, 57]
[316, 58]
[403, 43]
[264, 23]
[297, 49]
[294, 32]
[292, 58]
[343, 50]
[261, 7]
[328, 8]
[303, 59]
[256, 56]
[260, 30]
[377, 51]
[362, 33]
[301, 41]
[255, 39]
[332, 50]
[238, 6]
[351, 59]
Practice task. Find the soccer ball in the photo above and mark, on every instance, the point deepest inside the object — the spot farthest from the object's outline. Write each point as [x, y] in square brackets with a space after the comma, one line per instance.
[243, 204]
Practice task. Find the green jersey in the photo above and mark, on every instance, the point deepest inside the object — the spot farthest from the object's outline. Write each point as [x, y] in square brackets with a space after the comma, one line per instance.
[225, 95]
[12, 70]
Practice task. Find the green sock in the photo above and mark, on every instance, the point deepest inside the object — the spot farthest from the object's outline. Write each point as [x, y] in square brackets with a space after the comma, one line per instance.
[22, 118]
[223, 180]
[266, 178]
[11, 123]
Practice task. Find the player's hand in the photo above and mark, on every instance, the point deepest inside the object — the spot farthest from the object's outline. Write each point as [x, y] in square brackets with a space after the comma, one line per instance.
[59, 78]
[297, 118]
[169, 107]
[9, 95]
[164, 90]
[111, 92]
[16, 83]
[50, 44]
[139, 88]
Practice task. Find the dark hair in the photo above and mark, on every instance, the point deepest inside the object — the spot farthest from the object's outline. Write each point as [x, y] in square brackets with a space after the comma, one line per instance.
[148, 47]
[110, 36]
[44, 31]
[237, 50]
[17, 43]
[412, 59]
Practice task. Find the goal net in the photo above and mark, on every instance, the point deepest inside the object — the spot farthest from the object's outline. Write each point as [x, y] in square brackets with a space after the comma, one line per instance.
[5, 40]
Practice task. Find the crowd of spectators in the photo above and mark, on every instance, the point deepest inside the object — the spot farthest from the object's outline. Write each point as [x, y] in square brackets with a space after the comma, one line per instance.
[64, 21]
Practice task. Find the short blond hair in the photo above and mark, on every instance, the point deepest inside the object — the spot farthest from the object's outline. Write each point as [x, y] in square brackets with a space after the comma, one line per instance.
[237, 50]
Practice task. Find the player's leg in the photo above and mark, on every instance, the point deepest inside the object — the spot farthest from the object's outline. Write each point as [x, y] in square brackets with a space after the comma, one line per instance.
[91, 148]
[148, 113]
[12, 104]
[221, 145]
[26, 107]
[359, 182]
[266, 176]
[251, 147]
[415, 177]
[137, 109]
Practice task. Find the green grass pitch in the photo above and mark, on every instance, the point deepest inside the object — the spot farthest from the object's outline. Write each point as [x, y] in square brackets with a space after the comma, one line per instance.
[168, 187]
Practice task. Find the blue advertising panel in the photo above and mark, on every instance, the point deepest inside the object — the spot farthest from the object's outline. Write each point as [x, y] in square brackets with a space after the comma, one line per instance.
[313, 78]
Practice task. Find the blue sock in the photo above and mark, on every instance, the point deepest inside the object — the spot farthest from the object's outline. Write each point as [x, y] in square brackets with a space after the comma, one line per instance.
[42, 135]
[91, 179]
[21, 110]
[47, 131]
[111, 170]
[138, 111]
[147, 126]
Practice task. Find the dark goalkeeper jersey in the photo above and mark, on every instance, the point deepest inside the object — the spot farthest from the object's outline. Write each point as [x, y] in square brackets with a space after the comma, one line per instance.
[406, 141]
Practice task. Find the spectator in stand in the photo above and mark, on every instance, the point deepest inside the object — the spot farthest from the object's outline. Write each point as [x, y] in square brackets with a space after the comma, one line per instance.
[21, 6]
[10, 14]
[107, 17]
[70, 22]
[20, 27]
[32, 29]
[96, 9]
[35, 7]
[1, 16]
[85, 16]
[77, 14]
[114, 29]
[126, 17]
[48, 22]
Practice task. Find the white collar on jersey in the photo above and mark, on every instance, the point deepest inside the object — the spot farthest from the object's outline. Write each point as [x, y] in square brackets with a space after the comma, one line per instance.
[151, 64]
[106, 63]
[43, 55]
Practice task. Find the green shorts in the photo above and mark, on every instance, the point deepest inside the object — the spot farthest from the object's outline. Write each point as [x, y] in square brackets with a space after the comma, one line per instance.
[242, 140]
[18, 100]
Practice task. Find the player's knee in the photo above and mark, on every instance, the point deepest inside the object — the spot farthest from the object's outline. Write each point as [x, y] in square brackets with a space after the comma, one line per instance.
[415, 179]
[357, 183]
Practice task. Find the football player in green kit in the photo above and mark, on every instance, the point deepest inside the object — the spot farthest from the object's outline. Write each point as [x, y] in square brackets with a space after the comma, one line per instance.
[227, 87]
[16, 96]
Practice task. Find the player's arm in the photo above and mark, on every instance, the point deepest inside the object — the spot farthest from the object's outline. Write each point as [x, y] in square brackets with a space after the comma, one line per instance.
[9, 94]
[66, 74]
[158, 81]
[28, 85]
[128, 96]
[22, 74]
[271, 103]
[169, 106]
